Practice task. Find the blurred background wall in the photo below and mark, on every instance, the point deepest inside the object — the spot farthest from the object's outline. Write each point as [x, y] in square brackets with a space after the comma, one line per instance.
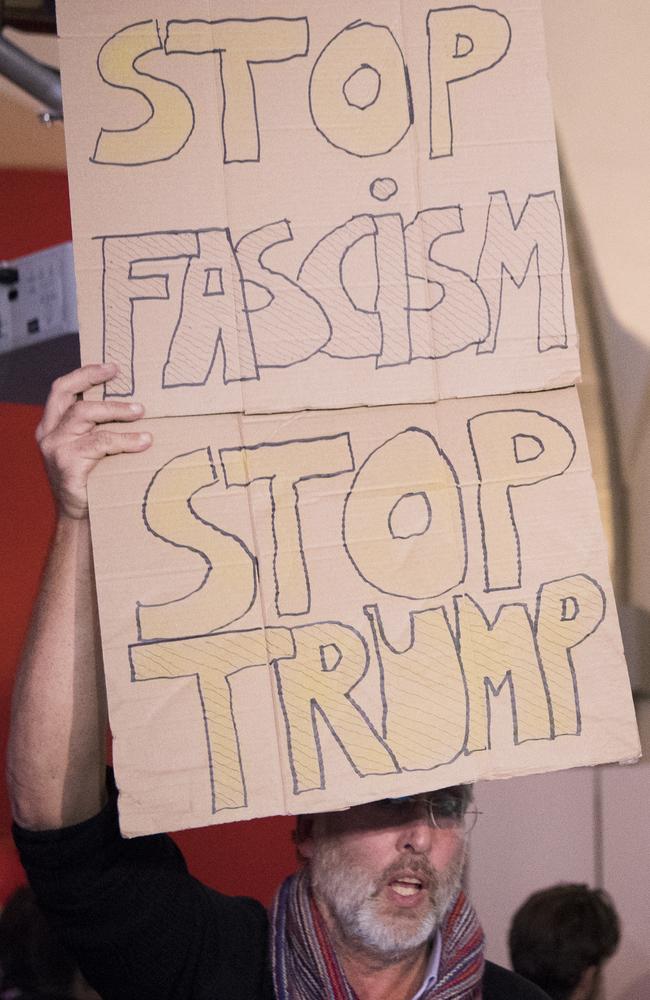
[592, 825]
[586, 825]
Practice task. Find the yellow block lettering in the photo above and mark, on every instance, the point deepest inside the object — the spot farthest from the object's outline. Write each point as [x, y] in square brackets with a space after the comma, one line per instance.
[502, 653]
[512, 448]
[213, 660]
[241, 45]
[403, 523]
[171, 116]
[229, 584]
[425, 701]
[359, 91]
[568, 611]
[286, 465]
[463, 41]
[329, 662]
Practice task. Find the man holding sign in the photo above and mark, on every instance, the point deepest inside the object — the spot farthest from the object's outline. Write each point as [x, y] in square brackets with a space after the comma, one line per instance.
[377, 910]
[358, 542]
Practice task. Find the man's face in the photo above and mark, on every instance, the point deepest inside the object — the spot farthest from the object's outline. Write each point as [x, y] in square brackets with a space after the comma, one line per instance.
[383, 882]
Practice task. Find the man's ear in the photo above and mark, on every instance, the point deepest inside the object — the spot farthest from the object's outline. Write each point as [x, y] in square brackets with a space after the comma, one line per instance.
[304, 837]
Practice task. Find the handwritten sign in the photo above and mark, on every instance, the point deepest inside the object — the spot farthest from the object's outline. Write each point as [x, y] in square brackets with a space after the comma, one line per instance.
[322, 242]
[301, 612]
[327, 207]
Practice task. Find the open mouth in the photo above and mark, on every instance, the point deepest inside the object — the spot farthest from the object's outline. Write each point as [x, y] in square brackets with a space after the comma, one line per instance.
[406, 886]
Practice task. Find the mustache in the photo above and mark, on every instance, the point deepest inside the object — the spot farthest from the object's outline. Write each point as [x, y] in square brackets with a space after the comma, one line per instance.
[418, 868]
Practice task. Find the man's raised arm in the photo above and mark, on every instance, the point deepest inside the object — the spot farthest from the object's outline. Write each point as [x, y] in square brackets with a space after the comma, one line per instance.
[56, 753]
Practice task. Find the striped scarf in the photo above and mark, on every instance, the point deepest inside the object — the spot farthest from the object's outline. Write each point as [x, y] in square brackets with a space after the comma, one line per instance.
[305, 966]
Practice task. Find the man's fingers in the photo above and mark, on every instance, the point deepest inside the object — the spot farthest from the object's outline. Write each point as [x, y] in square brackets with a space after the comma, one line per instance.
[101, 442]
[65, 390]
[84, 414]
[84, 378]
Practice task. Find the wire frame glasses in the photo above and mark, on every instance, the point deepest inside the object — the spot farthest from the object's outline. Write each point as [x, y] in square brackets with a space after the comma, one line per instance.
[445, 812]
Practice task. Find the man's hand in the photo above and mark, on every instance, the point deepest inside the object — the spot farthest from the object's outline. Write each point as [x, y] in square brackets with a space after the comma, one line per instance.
[73, 439]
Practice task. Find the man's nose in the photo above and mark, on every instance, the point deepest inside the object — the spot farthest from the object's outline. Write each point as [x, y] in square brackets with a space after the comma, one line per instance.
[417, 833]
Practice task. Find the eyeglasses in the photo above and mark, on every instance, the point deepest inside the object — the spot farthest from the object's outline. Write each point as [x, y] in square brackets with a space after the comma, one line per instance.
[445, 812]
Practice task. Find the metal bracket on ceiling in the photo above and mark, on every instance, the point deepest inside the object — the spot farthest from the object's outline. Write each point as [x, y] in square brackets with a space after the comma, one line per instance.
[38, 79]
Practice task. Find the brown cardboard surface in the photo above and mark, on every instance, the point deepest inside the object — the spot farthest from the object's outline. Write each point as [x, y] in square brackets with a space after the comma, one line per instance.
[325, 244]
[315, 205]
[301, 611]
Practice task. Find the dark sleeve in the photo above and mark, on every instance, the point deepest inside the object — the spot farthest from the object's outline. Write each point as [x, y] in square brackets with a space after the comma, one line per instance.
[501, 984]
[139, 925]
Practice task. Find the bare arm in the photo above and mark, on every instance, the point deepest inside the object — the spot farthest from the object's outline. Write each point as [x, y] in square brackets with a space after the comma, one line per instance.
[58, 729]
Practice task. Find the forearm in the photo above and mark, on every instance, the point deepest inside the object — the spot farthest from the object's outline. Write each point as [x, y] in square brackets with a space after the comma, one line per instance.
[56, 752]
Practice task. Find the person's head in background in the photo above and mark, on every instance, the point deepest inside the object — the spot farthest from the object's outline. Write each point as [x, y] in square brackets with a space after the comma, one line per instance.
[33, 963]
[561, 937]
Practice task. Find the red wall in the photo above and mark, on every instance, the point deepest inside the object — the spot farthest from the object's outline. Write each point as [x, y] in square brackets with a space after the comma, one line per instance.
[245, 858]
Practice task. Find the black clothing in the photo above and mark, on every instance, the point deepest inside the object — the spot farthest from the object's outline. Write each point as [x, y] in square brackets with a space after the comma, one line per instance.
[501, 984]
[142, 928]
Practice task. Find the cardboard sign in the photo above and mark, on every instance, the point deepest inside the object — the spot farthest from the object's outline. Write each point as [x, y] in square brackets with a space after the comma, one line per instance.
[315, 205]
[341, 606]
[285, 219]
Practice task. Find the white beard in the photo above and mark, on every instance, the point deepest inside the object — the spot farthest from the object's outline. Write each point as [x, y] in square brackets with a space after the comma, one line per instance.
[351, 895]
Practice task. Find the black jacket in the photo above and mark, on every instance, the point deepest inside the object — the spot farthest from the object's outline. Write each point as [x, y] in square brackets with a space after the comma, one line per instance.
[142, 928]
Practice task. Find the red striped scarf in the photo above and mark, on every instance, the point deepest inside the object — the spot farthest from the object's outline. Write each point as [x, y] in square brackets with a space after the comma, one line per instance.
[305, 966]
